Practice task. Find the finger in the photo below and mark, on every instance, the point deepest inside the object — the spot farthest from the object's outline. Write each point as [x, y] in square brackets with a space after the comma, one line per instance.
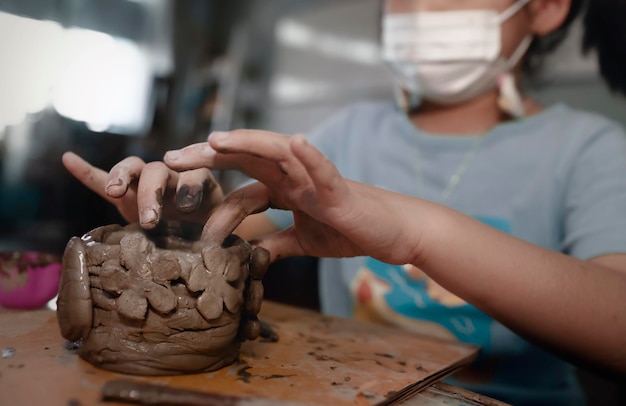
[197, 188]
[259, 262]
[237, 206]
[94, 178]
[155, 181]
[281, 244]
[263, 144]
[203, 156]
[193, 156]
[122, 175]
[330, 186]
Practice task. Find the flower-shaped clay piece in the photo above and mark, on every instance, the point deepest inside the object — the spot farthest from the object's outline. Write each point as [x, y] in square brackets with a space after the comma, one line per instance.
[157, 304]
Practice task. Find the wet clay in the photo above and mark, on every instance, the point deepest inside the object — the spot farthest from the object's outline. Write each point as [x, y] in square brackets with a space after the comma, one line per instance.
[158, 303]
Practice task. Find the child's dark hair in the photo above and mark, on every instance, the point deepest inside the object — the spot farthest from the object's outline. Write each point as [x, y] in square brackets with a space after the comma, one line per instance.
[543, 46]
[605, 32]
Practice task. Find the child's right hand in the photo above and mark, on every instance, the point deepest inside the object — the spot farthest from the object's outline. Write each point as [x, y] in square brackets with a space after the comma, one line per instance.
[333, 217]
[149, 192]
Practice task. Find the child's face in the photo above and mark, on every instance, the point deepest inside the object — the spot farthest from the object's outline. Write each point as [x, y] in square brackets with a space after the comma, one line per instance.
[513, 30]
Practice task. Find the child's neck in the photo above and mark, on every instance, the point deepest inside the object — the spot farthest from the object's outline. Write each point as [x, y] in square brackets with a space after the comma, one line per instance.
[477, 116]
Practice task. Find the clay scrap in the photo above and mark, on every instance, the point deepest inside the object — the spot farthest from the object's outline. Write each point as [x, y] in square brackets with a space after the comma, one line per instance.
[159, 303]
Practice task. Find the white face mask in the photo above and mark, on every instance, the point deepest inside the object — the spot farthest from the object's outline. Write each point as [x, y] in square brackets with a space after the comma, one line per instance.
[449, 57]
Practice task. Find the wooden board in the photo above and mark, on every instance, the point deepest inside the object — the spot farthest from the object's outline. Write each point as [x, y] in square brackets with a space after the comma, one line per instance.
[318, 360]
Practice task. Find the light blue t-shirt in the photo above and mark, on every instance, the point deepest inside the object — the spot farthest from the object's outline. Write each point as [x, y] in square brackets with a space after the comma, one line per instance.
[556, 179]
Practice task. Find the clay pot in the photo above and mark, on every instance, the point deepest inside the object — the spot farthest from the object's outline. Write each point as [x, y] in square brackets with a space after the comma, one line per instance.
[156, 303]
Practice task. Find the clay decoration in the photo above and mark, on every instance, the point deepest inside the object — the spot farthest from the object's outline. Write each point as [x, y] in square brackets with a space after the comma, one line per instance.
[158, 303]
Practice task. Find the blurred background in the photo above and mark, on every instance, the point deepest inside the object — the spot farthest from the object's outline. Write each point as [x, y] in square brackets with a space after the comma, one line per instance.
[112, 78]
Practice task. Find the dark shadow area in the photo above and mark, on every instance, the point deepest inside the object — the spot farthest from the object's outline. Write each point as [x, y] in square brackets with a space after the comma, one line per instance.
[601, 391]
[293, 281]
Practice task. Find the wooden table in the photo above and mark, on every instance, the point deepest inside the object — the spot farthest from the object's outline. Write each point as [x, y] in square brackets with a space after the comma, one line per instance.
[318, 360]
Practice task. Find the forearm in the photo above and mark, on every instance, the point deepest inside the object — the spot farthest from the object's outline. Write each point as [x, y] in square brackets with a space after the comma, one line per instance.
[575, 307]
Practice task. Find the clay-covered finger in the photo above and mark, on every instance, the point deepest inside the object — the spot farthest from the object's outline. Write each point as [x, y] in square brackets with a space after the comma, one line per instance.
[259, 262]
[155, 181]
[237, 205]
[190, 191]
[254, 297]
[122, 175]
[196, 187]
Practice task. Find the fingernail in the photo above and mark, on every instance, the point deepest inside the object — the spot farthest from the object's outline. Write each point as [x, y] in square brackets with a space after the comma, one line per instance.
[149, 216]
[113, 187]
[218, 135]
[172, 155]
[188, 199]
[114, 182]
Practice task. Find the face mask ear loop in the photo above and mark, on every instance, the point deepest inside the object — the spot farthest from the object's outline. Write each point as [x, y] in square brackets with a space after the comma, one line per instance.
[510, 100]
[400, 97]
[511, 11]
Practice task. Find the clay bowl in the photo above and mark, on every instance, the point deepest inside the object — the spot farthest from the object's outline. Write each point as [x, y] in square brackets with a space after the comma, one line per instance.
[157, 303]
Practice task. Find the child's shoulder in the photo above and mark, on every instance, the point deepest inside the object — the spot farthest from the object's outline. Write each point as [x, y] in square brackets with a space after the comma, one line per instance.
[581, 121]
[569, 127]
[576, 130]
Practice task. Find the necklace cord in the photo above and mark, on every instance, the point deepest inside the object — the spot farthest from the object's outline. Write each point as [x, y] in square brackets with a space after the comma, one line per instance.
[455, 178]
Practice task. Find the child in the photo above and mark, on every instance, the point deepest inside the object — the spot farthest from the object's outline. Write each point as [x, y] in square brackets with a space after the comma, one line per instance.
[474, 142]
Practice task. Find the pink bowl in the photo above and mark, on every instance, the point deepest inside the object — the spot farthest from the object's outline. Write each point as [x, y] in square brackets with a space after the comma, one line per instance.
[28, 280]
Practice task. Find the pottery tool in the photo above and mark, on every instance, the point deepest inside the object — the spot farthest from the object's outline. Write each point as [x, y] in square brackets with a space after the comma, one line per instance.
[152, 394]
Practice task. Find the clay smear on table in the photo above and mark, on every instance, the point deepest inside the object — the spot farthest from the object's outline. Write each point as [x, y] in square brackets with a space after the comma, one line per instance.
[155, 303]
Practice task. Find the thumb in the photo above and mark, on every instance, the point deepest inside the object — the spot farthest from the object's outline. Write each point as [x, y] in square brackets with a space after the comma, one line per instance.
[239, 204]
